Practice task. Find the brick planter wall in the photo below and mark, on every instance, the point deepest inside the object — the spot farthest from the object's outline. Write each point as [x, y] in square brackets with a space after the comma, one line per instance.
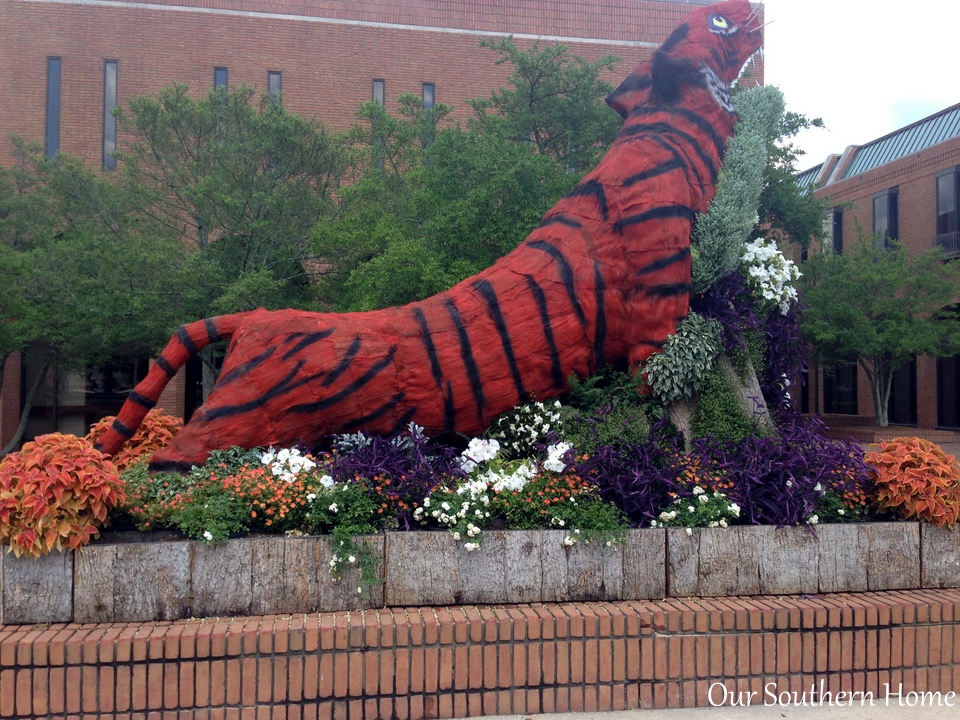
[472, 660]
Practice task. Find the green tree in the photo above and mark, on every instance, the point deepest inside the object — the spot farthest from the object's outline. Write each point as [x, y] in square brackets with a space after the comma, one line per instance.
[85, 283]
[879, 308]
[241, 182]
[554, 101]
[432, 205]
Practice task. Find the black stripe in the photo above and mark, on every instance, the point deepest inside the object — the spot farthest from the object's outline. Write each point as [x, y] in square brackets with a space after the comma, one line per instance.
[559, 220]
[653, 343]
[165, 365]
[675, 37]
[718, 59]
[704, 125]
[669, 290]
[664, 262]
[121, 429]
[306, 339]
[493, 307]
[402, 423]
[594, 189]
[634, 82]
[663, 169]
[566, 274]
[344, 364]
[682, 154]
[141, 400]
[600, 329]
[171, 466]
[428, 344]
[212, 334]
[349, 389]
[466, 352]
[285, 385]
[186, 341]
[556, 372]
[246, 367]
[660, 213]
[449, 412]
[379, 412]
[664, 129]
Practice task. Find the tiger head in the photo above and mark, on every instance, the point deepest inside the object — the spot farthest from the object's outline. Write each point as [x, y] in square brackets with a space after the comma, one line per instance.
[709, 49]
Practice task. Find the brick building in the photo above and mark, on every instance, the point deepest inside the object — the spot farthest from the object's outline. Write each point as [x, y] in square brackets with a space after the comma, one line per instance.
[66, 62]
[905, 185]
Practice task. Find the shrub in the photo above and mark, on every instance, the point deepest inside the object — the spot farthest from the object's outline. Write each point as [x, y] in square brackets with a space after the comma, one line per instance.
[54, 493]
[155, 433]
[402, 470]
[636, 477]
[916, 479]
[781, 480]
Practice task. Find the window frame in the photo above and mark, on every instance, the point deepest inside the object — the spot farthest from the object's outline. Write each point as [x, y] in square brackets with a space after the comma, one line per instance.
[109, 118]
[51, 130]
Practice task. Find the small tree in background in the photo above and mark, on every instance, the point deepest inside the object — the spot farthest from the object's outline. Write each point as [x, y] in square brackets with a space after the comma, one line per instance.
[880, 308]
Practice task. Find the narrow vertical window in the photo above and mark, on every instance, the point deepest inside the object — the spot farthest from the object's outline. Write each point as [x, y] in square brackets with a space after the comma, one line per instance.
[886, 217]
[379, 92]
[219, 78]
[948, 200]
[838, 230]
[109, 119]
[429, 89]
[52, 132]
[274, 87]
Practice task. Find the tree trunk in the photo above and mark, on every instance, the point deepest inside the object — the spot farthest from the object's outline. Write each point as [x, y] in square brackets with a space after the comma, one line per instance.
[746, 390]
[880, 374]
[25, 415]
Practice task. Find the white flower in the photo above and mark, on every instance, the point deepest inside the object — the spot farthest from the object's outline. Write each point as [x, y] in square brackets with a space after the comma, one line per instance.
[333, 508]
[818, 487]
[840, 511]
[813, 520]
[569, 540]
[698, 490]
[351, 559]
[703, 499]
[470, 547]
[653, 523]
[327, 482]
[311, 497]
[722, 523]
[735, 509]
[691, 508]
[207, 535]
[689, 531]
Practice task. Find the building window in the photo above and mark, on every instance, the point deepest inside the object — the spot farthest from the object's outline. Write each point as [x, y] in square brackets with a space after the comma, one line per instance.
[109, 118]
[52, 132]
[948, 231]
[379, 92]
[836, 234]
[840, 390]
[429, 91]
[274, 87]
[219, 78]
[886, 217]
[902, 409]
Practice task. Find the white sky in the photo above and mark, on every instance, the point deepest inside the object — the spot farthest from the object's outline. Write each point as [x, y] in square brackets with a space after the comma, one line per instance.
[865, 67]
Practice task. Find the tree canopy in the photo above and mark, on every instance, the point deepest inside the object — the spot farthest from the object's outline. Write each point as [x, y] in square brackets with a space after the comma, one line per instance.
[880, 308]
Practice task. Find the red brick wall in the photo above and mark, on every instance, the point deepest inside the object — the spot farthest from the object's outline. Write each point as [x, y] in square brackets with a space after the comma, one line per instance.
[915, 177]
[470, 661]
[327, 67]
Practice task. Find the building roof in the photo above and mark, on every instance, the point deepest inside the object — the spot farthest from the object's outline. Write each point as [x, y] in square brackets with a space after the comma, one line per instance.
[922, 134]
[807, 178]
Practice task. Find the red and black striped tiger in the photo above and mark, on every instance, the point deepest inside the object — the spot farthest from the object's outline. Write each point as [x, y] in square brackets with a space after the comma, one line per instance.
[603, 279]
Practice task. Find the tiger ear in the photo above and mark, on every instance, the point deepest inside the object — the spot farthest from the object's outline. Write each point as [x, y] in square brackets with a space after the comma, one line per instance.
[633, 91]
[669, 76]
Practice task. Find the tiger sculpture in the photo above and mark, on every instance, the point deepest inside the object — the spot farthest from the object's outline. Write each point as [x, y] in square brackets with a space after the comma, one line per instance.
[602, 280]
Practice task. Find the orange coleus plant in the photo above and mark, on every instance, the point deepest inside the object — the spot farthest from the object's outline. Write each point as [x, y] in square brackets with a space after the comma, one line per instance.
[155, 433]
[54, 494]
[915, 478]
